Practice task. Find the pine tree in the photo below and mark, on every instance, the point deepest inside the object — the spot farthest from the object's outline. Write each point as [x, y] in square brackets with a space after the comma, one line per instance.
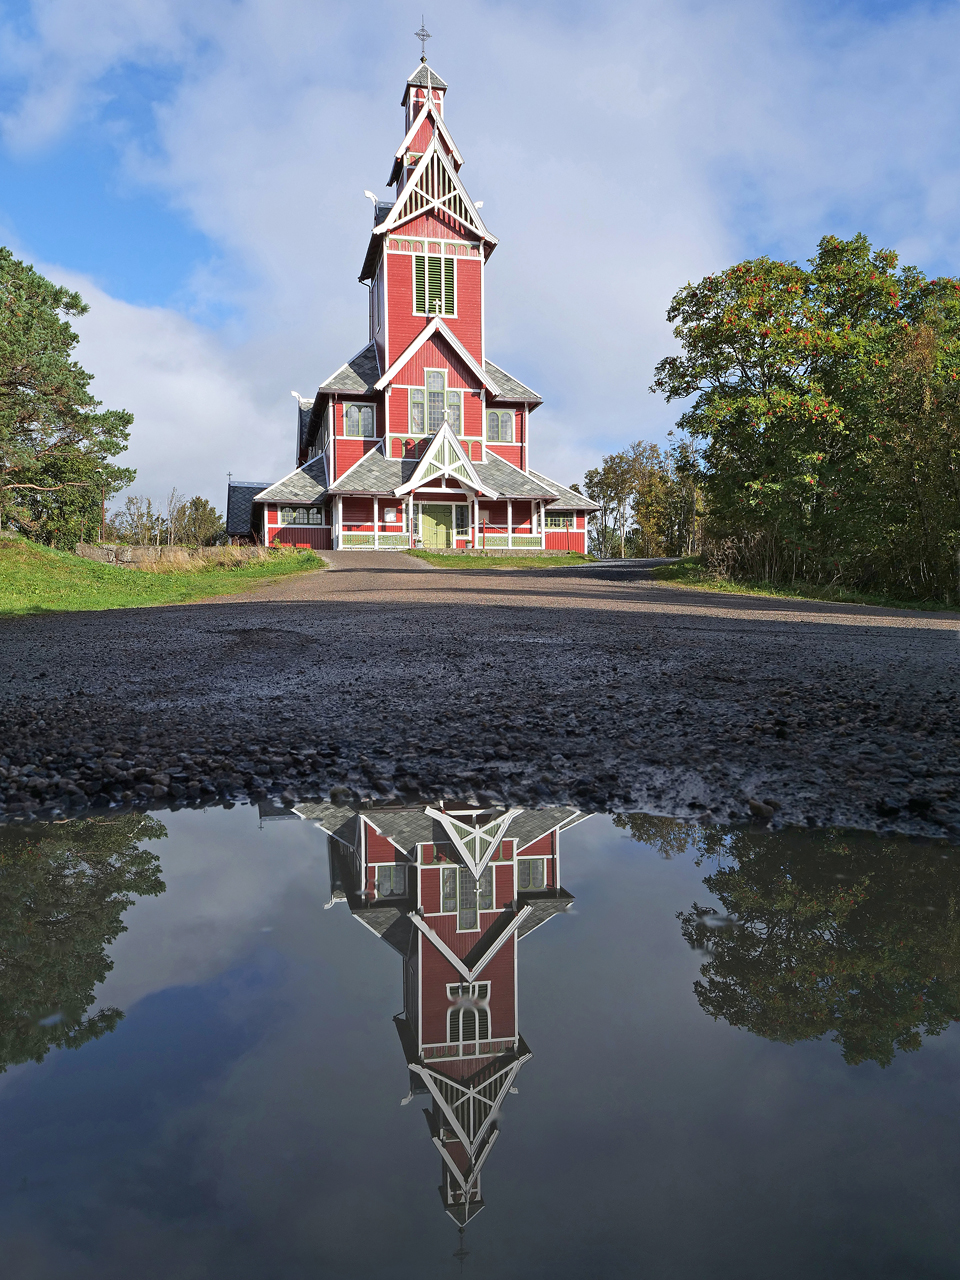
[55, 447]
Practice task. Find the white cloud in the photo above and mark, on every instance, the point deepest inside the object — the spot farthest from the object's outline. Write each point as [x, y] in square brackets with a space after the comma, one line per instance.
[618, 155]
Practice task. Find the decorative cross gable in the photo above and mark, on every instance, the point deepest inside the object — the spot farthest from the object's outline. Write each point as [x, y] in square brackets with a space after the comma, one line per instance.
[476, 845]
[445, 457]
[429, 109]
[434, 187]
[436, 326]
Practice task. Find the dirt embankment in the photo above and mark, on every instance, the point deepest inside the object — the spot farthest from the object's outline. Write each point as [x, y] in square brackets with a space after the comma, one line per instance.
[389, 678]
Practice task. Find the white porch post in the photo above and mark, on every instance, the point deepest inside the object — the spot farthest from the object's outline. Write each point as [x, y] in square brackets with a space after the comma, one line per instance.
[339, 538]
[376, 522]
[476, 522]
[509, 522]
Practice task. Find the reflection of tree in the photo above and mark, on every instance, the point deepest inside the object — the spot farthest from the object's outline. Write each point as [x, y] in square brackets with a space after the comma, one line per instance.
[668, 836]
[849, 936]
[63, 891]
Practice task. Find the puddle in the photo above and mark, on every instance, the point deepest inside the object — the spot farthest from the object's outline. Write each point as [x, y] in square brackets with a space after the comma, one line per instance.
[556, 1045]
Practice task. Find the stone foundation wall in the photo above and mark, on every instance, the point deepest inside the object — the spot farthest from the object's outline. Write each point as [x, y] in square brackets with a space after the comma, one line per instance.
[129, 557]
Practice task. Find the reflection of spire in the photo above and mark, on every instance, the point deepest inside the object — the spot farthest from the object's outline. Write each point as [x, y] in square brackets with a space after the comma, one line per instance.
[463, 1252]
[452, 889]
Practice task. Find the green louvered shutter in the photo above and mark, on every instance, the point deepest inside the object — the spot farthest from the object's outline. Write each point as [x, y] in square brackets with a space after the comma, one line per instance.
[419, 285]
[434, 278]
[448, 306]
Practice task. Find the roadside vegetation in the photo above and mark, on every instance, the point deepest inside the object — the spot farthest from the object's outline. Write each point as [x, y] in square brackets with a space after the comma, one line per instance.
[479, 560]
[821, 439]
[692, 571]
[39, 579]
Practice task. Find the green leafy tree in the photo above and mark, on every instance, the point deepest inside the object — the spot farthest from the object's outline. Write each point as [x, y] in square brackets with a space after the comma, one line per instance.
[55, 447]
[63, 891]
[202, 524]
[824, 935]
[827, 403]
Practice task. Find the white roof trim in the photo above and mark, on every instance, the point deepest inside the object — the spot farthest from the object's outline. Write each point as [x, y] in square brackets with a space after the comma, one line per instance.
[428, 107]
[444, 436]
[436, 325]
[394, 220]
[346, 363]
[353, 466]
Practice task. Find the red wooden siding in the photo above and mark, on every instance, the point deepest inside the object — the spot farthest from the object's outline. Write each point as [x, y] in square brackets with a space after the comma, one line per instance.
[357, 510]
[430, 890]
[566, 540]
[435, 354]
[299, 535]
[348, 450]
[509, 452]
[379, 848]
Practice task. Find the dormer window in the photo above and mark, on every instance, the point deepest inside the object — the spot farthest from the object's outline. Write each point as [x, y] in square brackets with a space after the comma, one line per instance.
[434, 292]
[359, 419]
[500, 426]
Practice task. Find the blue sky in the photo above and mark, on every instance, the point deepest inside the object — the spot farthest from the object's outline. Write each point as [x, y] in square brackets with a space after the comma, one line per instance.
[198, 172]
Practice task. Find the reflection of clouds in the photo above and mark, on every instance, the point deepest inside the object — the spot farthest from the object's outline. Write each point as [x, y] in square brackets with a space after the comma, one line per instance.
[224, 878]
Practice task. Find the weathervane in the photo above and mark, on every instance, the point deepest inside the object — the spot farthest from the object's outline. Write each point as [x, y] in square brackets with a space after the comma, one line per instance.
[423, 35]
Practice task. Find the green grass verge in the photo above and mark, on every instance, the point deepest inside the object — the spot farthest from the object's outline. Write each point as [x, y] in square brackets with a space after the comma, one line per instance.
[477, 560]
[689, 572]
[37, 579]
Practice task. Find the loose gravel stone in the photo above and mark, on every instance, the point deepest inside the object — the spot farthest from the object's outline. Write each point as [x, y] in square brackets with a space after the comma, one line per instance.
[388, 680]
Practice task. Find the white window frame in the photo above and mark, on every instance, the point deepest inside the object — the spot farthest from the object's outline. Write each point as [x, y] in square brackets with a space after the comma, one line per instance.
[501, 413]
[442, 257]
[360, 405]
[531, 888]
[486, 878]
[480, 992]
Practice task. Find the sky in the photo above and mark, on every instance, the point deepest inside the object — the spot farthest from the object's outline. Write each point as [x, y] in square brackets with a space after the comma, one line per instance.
[197, 171]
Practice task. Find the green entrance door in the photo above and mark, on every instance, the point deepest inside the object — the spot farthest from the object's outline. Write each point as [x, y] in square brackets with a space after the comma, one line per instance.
[437, 526]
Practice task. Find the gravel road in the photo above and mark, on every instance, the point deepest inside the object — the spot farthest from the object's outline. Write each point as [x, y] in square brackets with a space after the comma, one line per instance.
[596, 686]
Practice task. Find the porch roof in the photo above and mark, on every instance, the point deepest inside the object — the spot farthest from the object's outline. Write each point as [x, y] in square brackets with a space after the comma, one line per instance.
[307, 484]
[567, 496]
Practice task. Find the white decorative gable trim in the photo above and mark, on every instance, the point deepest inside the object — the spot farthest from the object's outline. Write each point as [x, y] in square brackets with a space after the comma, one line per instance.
[437, 326]
[435, 187]
[429, 108]
[476, 845]
[446, 457]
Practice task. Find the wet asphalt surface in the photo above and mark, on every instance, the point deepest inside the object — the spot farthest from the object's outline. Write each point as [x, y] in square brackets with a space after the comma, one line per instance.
[383, 678]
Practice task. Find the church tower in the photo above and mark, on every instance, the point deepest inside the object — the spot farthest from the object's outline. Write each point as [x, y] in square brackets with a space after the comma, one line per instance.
[419, 440]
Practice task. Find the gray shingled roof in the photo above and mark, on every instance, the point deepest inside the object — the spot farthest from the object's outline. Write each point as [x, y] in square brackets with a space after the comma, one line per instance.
[335, 819]
[240, 495]
[510, 388]
[375, 474]
[307, 484]
[567, 496]
[357, 375]
[499, 477]
[419, 77]
[534, 823]
[405, 827]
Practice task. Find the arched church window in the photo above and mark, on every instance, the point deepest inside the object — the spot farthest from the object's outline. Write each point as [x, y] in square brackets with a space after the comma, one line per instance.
[469, 1017]
[391, 880]
[500, 426]
[453, 411]
[302, 516]
[287, 515]
[416, 411]
[359, 420]
[529, 873]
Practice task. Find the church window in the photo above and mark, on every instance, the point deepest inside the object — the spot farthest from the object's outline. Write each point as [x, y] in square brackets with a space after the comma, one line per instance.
[391, 880]
[434, 293]
[469, 1017]
[500, 427]
[440, 399]
[417, 427]
[560, 519]
[463, 520]
[359, 419]
[529, 873]
[461, 893]
[287, 515]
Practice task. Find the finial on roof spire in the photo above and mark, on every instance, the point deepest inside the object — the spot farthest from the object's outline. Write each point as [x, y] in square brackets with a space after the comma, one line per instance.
[423, 35]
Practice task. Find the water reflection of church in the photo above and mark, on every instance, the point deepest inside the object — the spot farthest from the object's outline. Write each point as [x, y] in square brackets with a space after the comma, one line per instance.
[453, 890]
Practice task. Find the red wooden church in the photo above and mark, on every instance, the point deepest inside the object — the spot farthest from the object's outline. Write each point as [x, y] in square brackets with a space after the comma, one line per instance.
[453, 890]
[419, 439]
